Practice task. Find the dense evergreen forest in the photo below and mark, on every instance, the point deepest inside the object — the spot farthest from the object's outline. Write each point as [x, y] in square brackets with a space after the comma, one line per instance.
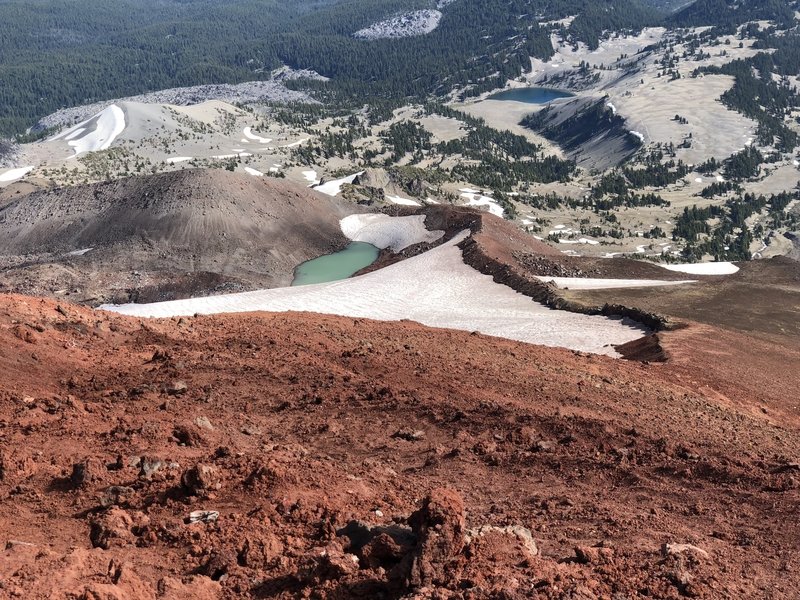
[60, 53]
[727, 15]
[730, 239]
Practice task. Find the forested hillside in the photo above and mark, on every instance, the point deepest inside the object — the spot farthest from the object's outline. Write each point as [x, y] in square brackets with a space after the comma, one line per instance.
[668, 6]
[59, 53]
[762, 90]
[728, 14]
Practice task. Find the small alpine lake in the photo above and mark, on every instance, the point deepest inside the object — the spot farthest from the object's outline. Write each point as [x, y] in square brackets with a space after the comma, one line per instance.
[336, 266]
[531, 95]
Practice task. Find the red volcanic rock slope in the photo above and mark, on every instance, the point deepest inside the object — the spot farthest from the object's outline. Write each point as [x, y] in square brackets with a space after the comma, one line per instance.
[298, 455]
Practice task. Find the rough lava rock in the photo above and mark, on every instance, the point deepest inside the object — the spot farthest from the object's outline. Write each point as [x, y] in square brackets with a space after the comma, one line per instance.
[439, 527]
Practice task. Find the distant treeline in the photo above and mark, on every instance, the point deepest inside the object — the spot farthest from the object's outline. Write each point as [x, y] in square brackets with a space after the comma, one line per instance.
[57, 53]
[60, 53]
[728, 15]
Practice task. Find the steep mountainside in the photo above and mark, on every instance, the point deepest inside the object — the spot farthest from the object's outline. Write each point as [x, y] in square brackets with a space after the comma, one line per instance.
[294, 456]
[148, 232]
[589, 131]
[730, 13]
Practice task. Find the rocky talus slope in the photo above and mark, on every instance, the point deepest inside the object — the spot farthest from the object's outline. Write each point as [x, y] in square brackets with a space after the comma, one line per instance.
[158, 237]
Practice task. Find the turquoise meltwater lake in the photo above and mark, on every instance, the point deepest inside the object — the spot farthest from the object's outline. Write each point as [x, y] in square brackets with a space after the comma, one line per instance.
[336, 266]
[533, 95]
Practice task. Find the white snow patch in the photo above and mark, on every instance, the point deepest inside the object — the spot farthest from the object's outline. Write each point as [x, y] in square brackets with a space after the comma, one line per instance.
[638, 135]
[179, 159]
[297, 143]
[74, 134]
[310, 176]
[409, 24]
[709, 268]
[109, 123]
[334, 186]
[253, 172]
[14, 174]
[699, 180]
[474, 199]
[580, 283]
[80, 252]
[580, 241]
[436, 289]
[720, 179]
[383, 231]
[612, 107]
[402, 201]
[248, 133]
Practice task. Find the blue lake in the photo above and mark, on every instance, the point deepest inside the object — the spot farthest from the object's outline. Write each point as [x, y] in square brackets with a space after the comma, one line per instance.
[532, 95]
[339, 265]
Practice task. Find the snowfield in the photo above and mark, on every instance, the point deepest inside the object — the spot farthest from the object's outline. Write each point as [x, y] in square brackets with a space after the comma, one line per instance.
[580, 241]
[383, 231]
[587, 283]
[709, 268]
[74, 134]
[108, 125]
[248, 133]
[639, 136]
[402, 201]
[410, 24]
[179, 159]
[253, 172]
[334, 186]
[436, 289]
[474, 198]
[14, 174]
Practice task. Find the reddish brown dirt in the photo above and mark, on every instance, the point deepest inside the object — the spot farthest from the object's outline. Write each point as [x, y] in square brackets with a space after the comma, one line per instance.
[492, 469]
[761, 300]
